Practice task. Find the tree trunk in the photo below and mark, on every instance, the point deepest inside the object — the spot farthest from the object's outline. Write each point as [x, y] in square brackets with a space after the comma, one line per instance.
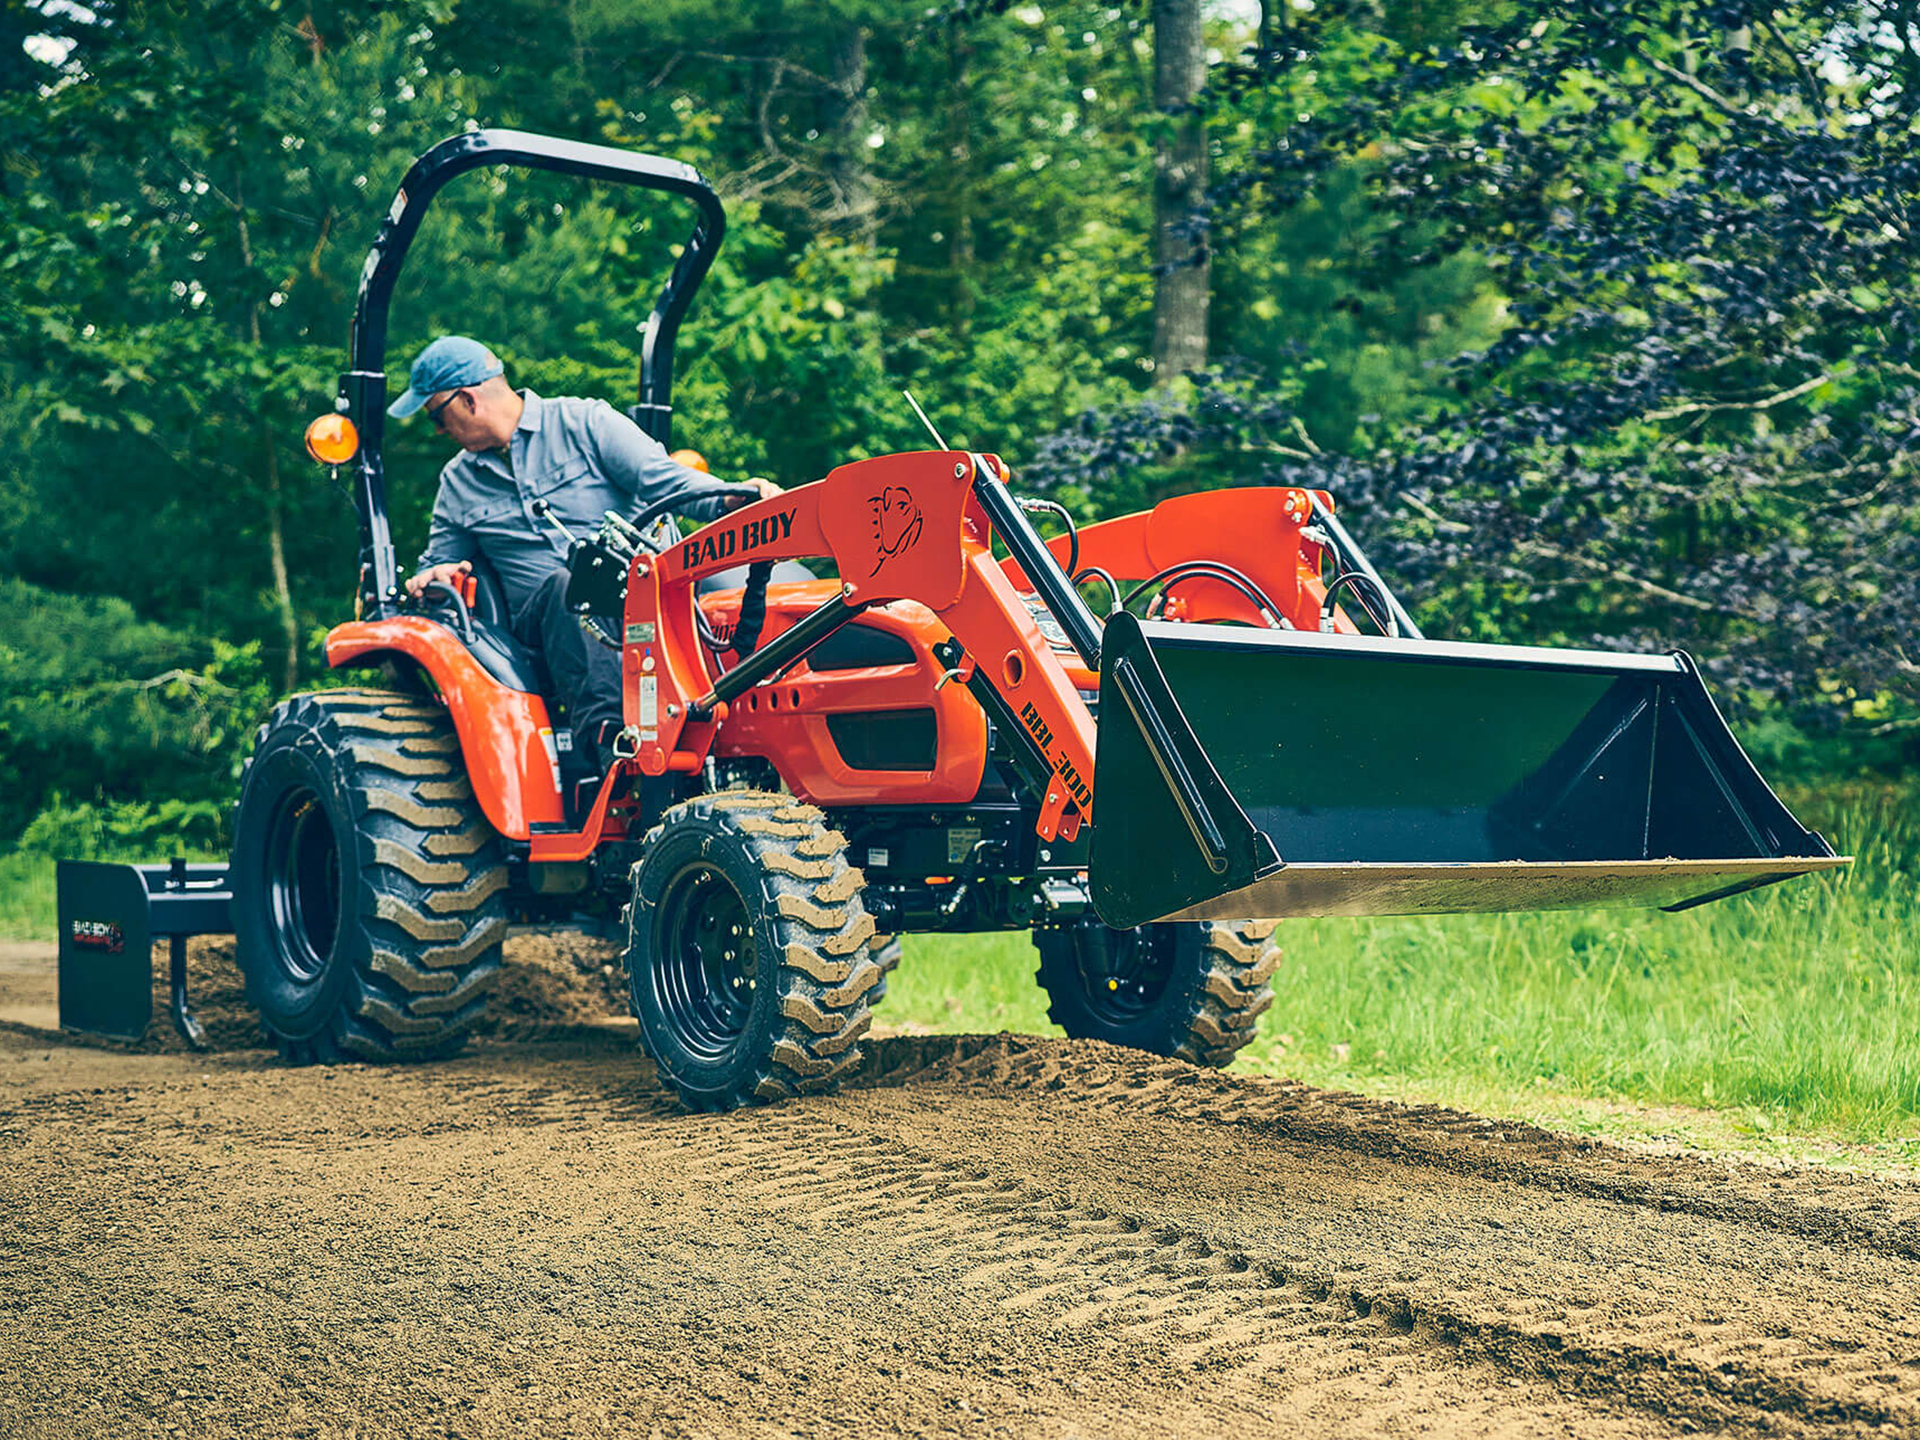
[848, 171]
[1181, 262]
[960, 158]
[276, 530]
[277, 550]
[1273, 21]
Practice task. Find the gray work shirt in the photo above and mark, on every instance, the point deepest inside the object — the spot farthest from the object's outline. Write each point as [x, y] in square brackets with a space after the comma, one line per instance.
[583, 458]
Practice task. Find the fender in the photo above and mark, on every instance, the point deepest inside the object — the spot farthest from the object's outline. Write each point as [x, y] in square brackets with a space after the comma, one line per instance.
[506, 736]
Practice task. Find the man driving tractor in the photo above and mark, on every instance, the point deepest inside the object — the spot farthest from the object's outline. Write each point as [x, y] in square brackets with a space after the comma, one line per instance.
[583, 458]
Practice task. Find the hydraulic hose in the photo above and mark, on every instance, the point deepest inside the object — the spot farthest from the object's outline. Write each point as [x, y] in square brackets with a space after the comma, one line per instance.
[1210, 570]
[753, 609]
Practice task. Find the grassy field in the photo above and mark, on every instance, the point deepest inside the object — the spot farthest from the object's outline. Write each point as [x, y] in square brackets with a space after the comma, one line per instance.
[26, 897]
[1793, 1012]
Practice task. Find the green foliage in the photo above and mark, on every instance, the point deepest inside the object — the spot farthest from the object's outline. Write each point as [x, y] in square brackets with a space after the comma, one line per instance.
[160, 302]
[130, 830]
[97, 705]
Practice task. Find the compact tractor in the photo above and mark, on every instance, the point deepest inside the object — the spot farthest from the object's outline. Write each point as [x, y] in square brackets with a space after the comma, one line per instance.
[919, 733]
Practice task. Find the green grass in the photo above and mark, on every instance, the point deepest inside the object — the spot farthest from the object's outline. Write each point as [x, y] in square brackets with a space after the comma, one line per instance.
[980, 984]
[1792, 1010]
[26, 897]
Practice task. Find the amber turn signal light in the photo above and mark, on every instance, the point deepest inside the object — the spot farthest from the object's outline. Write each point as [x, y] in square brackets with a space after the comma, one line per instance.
[332, 440]
[693, 460]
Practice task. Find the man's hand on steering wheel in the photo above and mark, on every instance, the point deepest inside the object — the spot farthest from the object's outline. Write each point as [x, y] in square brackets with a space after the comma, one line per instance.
[766, 488]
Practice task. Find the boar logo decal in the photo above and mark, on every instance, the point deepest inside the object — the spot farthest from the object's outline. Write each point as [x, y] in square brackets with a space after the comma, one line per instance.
[896, 523]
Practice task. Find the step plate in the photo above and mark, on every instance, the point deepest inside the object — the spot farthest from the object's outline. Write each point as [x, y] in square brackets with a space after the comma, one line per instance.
[1373, 889]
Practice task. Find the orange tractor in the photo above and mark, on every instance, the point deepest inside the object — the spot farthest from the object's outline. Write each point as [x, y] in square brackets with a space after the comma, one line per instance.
[930, 736]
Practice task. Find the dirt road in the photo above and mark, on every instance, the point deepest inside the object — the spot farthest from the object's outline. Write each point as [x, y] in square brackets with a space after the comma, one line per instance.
[983, 1237]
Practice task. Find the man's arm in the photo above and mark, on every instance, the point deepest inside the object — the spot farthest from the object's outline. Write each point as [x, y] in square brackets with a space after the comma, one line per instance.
[450, 546]
[636, 462]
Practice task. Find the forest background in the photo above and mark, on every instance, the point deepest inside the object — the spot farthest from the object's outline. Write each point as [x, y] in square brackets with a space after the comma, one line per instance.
[1597, 316]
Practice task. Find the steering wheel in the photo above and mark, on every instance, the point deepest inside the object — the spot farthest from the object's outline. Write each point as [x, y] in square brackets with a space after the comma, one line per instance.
[667, 504]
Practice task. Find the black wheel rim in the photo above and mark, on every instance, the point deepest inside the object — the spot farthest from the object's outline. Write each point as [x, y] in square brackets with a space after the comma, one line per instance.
[303, 885]
[1123, 973]
[705, 966]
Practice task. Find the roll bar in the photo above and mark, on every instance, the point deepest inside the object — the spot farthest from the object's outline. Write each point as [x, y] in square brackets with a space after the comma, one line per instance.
[363, 386]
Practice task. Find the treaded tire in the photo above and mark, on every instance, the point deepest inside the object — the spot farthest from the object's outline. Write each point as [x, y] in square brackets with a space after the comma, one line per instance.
[1193, 990]
[749, 952]
[367, 883]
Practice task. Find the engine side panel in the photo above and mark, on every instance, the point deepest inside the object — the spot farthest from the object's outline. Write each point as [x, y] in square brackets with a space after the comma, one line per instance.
[874, 685]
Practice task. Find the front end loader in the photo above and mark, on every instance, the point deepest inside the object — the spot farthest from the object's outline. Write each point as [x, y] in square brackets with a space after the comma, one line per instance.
[849, 716]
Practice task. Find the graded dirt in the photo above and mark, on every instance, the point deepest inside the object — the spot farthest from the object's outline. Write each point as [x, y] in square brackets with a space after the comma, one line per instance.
[981, 1236]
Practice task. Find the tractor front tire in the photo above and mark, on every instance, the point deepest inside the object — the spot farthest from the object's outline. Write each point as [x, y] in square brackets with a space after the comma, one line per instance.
[366, 881]
[1191, 990]
[886, 954]
[749, 952]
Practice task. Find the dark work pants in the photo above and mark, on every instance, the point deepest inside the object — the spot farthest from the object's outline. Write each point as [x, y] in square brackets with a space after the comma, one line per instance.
[586, 674]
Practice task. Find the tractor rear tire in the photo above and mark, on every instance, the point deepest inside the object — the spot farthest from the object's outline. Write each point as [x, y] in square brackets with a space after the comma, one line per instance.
[749, 952]
[367, 884]
[1191, 990]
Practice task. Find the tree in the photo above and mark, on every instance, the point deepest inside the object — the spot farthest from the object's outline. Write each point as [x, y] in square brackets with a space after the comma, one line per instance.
[1698, 424]
[1182, 268]
[165, 298]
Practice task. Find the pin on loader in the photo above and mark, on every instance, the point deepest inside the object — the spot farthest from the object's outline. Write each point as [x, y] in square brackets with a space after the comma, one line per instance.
[935, 739]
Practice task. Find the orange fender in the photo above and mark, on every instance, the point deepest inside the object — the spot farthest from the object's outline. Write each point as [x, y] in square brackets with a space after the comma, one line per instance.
[505, 735]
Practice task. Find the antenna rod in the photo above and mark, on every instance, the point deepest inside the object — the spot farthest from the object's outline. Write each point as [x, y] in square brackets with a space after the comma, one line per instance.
[923, 419]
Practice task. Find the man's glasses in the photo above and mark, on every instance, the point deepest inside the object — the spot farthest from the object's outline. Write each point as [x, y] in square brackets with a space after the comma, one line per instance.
[437, 413]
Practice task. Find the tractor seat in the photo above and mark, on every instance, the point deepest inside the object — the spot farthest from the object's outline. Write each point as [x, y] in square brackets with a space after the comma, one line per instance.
[493, 644]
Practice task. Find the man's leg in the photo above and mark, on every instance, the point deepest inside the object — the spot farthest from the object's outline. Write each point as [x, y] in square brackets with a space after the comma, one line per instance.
[585, 673]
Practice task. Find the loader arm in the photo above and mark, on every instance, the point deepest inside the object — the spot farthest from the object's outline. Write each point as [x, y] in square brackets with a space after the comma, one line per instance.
[898, 527]
[1264, 535]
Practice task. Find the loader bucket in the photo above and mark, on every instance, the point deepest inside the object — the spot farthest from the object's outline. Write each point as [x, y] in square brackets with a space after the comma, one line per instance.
[1264, 774]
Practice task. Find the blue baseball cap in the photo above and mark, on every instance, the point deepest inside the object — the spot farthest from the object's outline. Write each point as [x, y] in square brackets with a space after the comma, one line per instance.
[447, 364]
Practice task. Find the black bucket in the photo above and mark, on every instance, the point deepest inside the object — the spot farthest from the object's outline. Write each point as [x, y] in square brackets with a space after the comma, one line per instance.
[1262, 774]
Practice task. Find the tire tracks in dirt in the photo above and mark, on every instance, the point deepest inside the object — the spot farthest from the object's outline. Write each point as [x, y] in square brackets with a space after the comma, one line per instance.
[1733, 1374]
[980, 1236]
[1829, 1206]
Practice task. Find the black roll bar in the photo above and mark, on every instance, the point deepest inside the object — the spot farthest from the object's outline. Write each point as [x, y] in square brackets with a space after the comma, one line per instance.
[363, 387]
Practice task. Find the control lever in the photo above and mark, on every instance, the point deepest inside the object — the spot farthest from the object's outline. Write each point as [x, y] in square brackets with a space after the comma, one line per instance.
[613, 529]
[616, 537]
[544, 511]
[456, 593]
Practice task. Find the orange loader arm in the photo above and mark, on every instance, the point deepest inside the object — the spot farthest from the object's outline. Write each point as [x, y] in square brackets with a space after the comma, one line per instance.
[1262, 533]
[897, 527]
